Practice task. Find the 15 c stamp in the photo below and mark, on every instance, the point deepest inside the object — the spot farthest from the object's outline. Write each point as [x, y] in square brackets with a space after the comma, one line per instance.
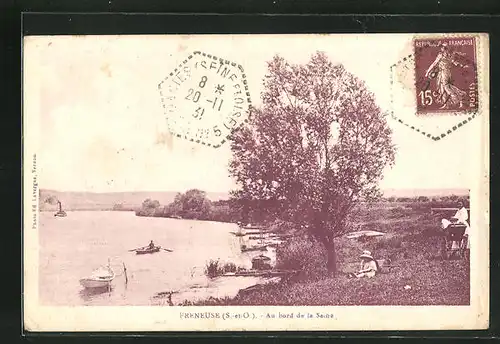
[446, 75]
[205, 98]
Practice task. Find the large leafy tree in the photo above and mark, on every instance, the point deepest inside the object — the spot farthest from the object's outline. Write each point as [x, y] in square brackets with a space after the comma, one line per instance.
[315, 148]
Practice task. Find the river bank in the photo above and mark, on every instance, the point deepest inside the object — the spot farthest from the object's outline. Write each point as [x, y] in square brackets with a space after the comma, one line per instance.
[441, 285]
[411, 241]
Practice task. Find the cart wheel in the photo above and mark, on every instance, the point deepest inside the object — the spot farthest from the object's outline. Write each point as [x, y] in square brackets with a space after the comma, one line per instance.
[446, 254]
[443, 246]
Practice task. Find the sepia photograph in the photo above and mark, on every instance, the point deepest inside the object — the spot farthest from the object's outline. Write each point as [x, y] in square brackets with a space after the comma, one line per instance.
[256, 182]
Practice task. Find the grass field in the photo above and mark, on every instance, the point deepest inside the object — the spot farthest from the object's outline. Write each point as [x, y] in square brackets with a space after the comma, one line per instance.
[411, 242]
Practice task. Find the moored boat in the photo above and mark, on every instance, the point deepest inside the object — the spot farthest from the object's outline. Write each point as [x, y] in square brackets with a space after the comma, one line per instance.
[238, 234]
[249, 226]
[261, 262]
[100, 278]
[272, 242]
[252, 227]
[358, 234]
[253, 248]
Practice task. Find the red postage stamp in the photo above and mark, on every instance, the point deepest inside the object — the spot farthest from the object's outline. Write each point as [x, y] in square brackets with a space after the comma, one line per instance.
[446, 75]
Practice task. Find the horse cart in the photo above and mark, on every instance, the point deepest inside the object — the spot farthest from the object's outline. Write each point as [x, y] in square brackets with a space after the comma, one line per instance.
[453, 242]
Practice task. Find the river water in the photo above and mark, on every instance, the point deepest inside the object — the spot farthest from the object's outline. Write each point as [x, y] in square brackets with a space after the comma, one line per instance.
[73, 246]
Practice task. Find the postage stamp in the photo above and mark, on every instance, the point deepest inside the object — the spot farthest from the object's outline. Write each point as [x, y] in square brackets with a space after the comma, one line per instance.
[314, 208]
[446, 75]
[436, 86]
[205, 98]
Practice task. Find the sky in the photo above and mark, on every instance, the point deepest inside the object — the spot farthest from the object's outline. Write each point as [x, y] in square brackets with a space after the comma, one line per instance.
[96, 111]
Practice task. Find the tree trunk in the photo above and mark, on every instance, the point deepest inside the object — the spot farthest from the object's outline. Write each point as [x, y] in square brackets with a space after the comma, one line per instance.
[331, 263]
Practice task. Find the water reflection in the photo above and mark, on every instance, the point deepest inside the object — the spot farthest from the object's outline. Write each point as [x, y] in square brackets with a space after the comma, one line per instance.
[88, 294]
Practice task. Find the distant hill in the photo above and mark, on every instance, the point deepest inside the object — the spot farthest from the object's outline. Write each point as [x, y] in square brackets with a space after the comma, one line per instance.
[75, 200]
[424, 192]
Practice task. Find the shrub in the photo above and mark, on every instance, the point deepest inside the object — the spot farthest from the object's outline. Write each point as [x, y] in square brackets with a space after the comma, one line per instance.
[229, 267]
[422, 207]
[399, 212]
[149, 212]
[213, 268]
[304, 255]
[388, 243]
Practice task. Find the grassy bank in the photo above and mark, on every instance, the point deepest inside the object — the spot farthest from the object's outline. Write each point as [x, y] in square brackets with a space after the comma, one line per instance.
[420, 276]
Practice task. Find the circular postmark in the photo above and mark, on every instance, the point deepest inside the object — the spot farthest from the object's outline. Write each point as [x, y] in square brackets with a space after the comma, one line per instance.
[205, 98]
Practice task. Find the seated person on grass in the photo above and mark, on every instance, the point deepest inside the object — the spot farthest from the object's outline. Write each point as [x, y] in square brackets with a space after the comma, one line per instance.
[369, 266]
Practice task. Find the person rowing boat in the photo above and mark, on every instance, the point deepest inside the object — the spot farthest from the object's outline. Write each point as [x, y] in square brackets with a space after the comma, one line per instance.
[150, 248]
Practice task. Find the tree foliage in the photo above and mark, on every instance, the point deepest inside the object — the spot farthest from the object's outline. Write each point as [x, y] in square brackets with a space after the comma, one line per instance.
[316, 147]
[193, 204]
[149, 207]
[150, 204]
[52, 200]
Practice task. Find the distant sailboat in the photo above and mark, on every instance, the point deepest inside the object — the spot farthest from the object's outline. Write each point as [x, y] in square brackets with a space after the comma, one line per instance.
[60, 212]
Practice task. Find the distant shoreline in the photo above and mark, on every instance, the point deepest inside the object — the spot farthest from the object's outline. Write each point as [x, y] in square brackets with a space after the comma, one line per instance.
[82, 209]
[132, 201]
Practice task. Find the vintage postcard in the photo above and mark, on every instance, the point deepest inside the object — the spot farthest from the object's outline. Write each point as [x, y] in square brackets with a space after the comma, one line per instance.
[256, 182]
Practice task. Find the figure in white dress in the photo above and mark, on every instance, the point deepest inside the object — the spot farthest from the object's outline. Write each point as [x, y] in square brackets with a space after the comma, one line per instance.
[460, 217]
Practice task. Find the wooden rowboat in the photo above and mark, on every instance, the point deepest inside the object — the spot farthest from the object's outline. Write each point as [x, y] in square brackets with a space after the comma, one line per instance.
[358, 234]
[147, 250]
[238, 234]
[100, 278]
